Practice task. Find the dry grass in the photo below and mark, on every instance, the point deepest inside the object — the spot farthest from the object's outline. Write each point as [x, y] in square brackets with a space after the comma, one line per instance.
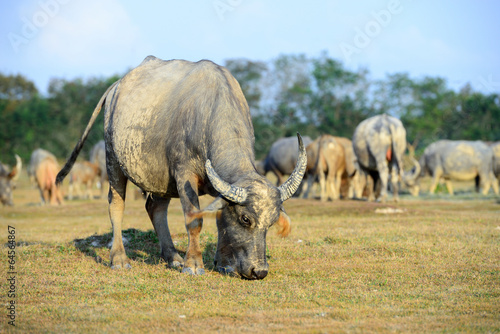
[432, 268]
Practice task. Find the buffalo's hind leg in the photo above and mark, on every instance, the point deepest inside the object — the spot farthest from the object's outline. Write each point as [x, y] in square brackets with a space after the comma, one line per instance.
[157, 210]
[116, 199]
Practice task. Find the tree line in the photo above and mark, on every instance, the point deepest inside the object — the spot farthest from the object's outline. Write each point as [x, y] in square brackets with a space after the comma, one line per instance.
[288, 94]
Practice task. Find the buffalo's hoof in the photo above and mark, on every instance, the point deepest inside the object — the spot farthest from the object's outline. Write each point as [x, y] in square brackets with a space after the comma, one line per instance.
[175, 264]
[190, 271]
[118, 266]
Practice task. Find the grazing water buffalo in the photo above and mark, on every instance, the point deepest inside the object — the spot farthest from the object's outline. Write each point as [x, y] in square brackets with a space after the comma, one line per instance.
[7, 178]
[350, 178]
[43, 169]
[282, 158]
[83, 173]
[182, 129]
[379, 143]
[457, 160]
[325, 161]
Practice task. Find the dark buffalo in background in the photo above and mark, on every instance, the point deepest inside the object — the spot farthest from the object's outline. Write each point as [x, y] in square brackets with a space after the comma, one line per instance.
[282, 158]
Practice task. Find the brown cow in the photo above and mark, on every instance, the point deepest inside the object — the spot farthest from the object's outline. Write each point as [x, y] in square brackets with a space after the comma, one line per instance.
[83, 173]
[350, 186]
[44, 167]
[325, 159]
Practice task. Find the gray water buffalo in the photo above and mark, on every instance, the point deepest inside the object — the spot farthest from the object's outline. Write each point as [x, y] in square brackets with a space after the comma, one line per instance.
[7, 178]
[326, 162]
[183, 129]
[98, 156]
[379, 143]
[282, 158]
[83, 173]
[43, 169]
[454, 160]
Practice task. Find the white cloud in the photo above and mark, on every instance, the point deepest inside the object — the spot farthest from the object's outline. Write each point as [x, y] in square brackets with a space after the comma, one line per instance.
[84, 32]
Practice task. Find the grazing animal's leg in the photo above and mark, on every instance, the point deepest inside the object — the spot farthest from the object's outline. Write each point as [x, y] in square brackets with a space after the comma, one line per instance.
[309, 186]
[53, 194]
[375, 180]
[44, 192]
[305, 189]
[330, 183]
[395, 183]
[157, 210]
[88, 185]
[71, 188]
[338, 183]
[494, 183]
[438, 172]
[187, 186]
[279, 177]
[383, 171]
[322, 185]
[116, 199]
[449, 186]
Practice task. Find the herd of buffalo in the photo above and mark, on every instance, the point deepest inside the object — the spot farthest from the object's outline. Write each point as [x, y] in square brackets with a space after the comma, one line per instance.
[362, 168]
[179, 129]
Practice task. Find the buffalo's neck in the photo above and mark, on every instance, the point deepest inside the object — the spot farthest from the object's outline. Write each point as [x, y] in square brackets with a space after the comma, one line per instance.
[232, 160]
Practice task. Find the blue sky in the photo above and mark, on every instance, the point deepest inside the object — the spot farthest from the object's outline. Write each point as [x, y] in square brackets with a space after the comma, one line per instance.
[456, 40]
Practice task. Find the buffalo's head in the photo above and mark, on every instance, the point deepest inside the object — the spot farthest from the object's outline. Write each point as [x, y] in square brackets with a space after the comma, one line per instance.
[410, 178]
[245, 212]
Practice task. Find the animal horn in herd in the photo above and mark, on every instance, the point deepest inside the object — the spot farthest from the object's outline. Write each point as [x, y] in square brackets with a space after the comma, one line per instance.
[291, 185]
[230, 192]
[417, 170]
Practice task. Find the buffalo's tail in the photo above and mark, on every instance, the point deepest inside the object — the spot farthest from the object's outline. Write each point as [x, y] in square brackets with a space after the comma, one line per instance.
[71, 161]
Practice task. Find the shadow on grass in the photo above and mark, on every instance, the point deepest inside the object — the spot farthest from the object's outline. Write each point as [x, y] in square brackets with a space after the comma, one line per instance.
[143, 246]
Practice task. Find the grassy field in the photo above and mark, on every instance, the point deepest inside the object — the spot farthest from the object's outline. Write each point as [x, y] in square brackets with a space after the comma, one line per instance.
[433, 266]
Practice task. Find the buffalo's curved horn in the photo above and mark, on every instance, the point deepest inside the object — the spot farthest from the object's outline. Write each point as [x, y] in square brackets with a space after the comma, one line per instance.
[228, 191]
[410, 177]
[417, 170]
[291, 185]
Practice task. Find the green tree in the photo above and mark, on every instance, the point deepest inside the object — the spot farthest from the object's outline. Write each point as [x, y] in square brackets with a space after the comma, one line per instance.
[249, 74]
[71, 103]
[340, 98]
[18, 96]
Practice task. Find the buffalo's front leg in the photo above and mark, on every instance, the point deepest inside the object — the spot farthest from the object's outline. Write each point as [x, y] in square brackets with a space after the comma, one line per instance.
[157, 208]
[187, 187]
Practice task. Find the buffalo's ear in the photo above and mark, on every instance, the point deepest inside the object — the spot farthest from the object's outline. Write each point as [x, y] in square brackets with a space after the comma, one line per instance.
[218, 204]
[284, 224]
[13, 173]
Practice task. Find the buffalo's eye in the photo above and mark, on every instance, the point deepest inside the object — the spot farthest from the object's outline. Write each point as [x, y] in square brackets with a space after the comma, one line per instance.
[245, 221]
